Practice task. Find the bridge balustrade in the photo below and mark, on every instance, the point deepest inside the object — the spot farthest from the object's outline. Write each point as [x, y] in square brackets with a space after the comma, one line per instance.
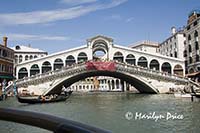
[149, 72]
[77, 68]
[52, 75]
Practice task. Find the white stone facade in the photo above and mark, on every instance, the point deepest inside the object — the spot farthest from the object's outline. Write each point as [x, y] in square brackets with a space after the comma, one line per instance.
[174, 45]
[55, 61]
[146, 46]
[25, 53]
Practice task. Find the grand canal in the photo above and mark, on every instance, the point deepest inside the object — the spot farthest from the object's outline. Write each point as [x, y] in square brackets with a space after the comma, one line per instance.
[108, 110]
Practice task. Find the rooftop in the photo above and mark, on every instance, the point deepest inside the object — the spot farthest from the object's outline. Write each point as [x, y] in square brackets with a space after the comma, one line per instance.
[194, 12]
[144, 42]
[22, 48]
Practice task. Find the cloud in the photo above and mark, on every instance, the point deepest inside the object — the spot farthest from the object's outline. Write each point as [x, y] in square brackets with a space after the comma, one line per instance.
[116, 17]
[16, 37]
[38, 17]
[77, 2]
[129, 19]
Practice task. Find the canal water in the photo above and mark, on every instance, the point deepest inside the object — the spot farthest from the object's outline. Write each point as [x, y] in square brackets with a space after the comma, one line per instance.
[117, 112]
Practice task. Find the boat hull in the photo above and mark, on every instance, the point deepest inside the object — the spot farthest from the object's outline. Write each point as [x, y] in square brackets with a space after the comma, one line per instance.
[33, 100]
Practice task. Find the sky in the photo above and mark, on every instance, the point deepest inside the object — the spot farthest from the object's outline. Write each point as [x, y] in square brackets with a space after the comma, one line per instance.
[56, 25]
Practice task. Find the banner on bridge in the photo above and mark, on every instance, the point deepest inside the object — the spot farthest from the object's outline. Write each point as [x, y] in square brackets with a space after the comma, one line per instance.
[99, 65]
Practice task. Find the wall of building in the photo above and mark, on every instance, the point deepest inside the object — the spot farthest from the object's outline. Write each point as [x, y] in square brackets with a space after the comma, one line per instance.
[192, 52]
[6, 61]
[174, 45]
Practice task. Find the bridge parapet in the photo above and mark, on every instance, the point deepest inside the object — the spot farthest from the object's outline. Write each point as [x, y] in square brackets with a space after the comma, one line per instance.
[137, 70]
[50, 76]
[143, 73]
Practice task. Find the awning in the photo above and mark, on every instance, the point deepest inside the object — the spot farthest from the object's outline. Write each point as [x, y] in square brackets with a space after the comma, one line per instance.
[6, 77]
[192, 74]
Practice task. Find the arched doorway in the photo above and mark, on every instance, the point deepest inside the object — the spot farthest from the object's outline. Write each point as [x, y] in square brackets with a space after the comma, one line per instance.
[154, 64]
[22, 73]
[130, 59]
[46, 67]
[142, 61]
[82, 57]
[166, 67]
[58, 64]
[178, 70]
[34, 70]
[118, 56]
[70, 60]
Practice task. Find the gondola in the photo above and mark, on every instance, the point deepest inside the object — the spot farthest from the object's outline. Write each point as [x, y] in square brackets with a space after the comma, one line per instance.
[197, 95]
[39, 99]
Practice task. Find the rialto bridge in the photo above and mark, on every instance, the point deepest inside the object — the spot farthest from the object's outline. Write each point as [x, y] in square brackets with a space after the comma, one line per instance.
[152, 63]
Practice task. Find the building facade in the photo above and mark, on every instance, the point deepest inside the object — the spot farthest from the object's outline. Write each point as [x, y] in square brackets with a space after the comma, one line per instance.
[192, 52]
[24, 53]
[146, 46]
[102, 83]
[174, 45]
[6, 61]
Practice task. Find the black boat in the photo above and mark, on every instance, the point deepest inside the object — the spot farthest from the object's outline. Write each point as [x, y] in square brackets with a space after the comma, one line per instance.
[44, 99]
[197, 95]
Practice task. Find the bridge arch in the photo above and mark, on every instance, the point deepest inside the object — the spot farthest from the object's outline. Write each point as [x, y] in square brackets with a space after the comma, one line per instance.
[58, 64]
[23, 72]
[100, 46]
[154, 64]
[34, 70]
[130, 59]
[82, 57]
[46, 67]
[166, 67]
[70, 60]
[142, 61]
[118, 56]
[139, 84]
[178, 70]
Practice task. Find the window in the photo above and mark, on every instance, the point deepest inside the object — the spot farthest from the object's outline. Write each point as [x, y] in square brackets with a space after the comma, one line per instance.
[175, 54]
[190, 48]
[197, 58]
[188, 28]
[185, 53]
[190, 60]
[189, 38]
[195, 23]
[196, 45]
[195, 34]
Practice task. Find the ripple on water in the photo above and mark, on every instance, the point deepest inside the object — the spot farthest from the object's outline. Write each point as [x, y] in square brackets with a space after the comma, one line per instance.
[107, 110]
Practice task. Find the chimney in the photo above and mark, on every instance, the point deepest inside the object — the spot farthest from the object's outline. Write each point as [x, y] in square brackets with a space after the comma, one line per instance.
[5, 41]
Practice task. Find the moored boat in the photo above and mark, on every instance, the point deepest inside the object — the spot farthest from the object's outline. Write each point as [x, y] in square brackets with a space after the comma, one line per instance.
[180, 95]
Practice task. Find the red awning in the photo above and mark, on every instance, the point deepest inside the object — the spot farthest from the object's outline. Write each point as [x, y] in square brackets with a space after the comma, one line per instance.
[99, 65]
[193, 74]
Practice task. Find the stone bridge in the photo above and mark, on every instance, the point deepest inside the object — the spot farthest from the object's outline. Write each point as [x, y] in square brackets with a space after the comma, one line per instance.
[143, 79]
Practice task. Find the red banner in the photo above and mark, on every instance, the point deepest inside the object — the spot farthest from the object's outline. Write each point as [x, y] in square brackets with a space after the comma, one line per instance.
[99, 65]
